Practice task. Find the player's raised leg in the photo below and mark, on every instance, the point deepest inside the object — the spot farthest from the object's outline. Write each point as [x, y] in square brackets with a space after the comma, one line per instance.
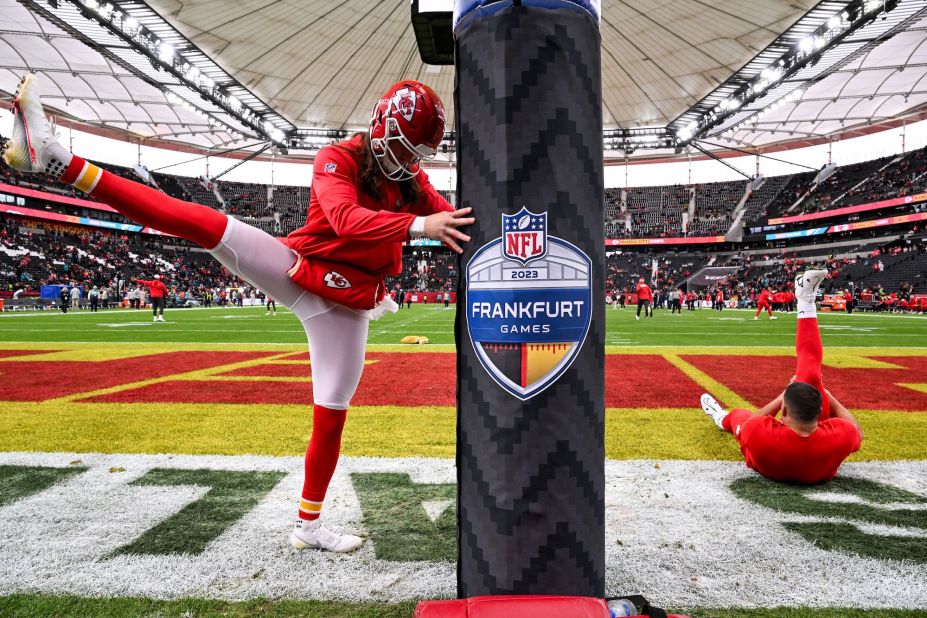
[33, 148]
[808, 347]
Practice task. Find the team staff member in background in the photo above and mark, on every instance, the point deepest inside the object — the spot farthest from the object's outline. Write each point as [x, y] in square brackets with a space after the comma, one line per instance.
[64, 299]
[271, 306]
[156, 293]
[816, 432]
[94, 297]
[644, 299]
[369, 194]
[763, 302]
[848, 300]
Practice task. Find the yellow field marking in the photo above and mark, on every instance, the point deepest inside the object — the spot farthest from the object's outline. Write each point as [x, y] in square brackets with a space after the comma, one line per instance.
[382, 431]
[197, 374]
[921, 388]
[722, 392]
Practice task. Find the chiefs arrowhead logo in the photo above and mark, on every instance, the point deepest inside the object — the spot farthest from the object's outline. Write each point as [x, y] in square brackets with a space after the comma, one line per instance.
[336, 280]
[404, 101]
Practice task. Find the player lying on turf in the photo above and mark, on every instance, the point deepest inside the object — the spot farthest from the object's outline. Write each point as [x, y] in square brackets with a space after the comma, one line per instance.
[368, 195]
[816, 433]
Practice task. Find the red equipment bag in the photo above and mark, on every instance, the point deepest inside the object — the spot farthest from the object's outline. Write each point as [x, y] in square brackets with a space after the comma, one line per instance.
[529, 606]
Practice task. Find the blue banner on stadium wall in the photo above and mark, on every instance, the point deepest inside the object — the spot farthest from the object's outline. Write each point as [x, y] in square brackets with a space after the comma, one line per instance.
[797, 234]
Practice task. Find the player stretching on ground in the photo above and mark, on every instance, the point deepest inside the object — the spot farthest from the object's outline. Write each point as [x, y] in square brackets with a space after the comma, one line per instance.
[763, 302]
[816, 432]
[368, 196]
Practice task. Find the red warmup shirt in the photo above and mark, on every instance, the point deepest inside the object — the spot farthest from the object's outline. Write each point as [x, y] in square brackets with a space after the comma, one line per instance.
[643, 292]
[764, 297]
[345, 224]
[775, 451]
[156, 288]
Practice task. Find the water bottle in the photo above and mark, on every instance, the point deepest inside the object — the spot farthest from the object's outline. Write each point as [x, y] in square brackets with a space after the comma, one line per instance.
[621, 607]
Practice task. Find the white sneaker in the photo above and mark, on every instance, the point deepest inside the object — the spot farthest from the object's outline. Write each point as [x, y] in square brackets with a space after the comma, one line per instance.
[31, 133]
[713, 409]
[155, 319]
[756, 317]
[637, 317]
[772, 317]
[267, 313]
[313, 534]
[807, 283]
[160, 318]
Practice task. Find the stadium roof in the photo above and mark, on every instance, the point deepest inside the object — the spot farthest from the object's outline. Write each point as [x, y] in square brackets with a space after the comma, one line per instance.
[320, 64]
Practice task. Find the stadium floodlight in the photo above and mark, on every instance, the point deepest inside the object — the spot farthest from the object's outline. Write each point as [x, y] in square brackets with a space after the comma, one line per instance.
[816, 33]
[141, 32]
[166, 52]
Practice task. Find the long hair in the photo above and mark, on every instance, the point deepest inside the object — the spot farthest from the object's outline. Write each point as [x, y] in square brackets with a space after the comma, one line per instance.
[370, 175]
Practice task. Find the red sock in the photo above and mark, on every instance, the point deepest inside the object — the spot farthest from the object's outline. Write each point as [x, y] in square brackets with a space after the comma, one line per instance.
[321, 458]
[148, 207]
[810, 353]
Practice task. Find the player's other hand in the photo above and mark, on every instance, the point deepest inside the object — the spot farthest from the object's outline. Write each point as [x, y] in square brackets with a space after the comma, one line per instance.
[443, 226]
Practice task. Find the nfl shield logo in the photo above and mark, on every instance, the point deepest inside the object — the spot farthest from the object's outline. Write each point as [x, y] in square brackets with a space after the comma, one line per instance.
[524, 236]
[529, 304]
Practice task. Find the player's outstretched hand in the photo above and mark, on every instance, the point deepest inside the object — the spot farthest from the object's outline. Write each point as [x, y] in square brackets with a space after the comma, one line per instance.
[443, 226]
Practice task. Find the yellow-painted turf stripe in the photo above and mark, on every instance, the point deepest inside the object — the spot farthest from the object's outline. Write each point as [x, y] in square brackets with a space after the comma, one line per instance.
[210, 373]
[381, 431]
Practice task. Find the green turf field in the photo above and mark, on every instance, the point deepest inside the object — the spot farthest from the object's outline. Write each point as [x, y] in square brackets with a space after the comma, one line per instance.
[98, 417]
[249, 325]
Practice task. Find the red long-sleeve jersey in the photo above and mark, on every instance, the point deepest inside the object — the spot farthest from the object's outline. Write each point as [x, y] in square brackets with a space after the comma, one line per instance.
[345, 224]
[644, 292]
[156, 288]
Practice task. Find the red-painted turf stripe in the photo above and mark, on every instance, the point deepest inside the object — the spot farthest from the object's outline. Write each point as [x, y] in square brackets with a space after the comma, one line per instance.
[38, 380]
[12, 353]
[424, 379]
[647, 381]
[759, 379]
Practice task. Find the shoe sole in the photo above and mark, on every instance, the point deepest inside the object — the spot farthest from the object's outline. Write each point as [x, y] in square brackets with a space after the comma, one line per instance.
[13, 156]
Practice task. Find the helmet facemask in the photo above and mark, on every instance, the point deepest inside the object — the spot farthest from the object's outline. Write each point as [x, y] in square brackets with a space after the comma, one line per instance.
[386, 157]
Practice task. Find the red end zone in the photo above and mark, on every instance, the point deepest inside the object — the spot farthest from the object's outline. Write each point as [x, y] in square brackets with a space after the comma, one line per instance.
[428, 379]
[759, 379]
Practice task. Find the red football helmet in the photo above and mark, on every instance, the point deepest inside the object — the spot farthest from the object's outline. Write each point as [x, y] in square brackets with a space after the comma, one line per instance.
[406, 126]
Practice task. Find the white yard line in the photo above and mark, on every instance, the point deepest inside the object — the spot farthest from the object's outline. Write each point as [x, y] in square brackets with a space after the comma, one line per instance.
[675, 533]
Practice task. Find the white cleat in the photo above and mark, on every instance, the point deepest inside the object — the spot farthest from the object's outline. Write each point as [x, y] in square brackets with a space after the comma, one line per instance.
[160, 318]
[155, 319]
[312, 534]
[31, 135]
[713, 409]
[807, 284]
[756, 317]
[772, 317]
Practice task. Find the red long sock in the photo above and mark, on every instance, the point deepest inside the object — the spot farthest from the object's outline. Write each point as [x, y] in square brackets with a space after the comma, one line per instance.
[321, 458]
[144, 205]
[810, 354]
